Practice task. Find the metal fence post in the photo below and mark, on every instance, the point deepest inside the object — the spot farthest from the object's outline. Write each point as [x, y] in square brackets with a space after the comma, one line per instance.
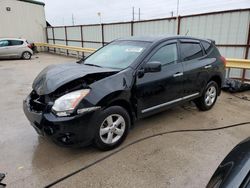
[132, 28]
[179, 25]
[102, 28]
[246, 53]
[53, 34]
[82, 40]
[47, 38]
[66, 39]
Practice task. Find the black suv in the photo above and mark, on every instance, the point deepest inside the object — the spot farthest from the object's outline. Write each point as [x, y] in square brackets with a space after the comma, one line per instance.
[97, 99]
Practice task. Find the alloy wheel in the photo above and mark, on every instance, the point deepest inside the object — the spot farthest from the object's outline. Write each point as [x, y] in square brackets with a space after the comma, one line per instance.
[112, 129]
[210, 95]
[26, 55]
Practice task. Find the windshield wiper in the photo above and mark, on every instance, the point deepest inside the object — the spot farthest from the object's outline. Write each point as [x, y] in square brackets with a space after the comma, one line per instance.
[93, 65]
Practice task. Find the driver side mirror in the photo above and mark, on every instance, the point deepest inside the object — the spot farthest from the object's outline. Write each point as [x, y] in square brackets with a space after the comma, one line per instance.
[153, 66]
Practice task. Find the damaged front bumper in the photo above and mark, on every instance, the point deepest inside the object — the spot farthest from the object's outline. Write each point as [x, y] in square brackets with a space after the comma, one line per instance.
[74, 131]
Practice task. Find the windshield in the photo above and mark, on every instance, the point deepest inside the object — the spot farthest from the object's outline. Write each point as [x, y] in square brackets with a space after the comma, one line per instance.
[117, 55]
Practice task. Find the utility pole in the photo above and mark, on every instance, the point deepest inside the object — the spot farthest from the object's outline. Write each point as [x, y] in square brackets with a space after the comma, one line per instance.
[139, 14]
[177, 15]
[133, 13]
[73, 19]
[172, 13]
[177, 11]
[100, 17]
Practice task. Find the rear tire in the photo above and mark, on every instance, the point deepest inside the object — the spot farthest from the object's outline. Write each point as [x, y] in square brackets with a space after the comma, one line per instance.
[112, 128]
[208, 98]
[26, 55]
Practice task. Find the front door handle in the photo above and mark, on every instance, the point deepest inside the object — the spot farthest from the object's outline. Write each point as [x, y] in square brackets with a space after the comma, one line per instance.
[178, 74]
[208, 66]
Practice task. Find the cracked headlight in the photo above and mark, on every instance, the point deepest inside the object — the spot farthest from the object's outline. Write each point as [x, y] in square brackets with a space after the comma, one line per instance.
[66, 104]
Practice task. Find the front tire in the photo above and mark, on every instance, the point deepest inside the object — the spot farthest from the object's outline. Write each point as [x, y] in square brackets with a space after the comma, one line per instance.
[209, 97]
[112, 129]
[26, 55]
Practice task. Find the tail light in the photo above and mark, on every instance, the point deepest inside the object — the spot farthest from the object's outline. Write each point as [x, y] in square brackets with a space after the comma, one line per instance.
[30, 46]
[223, 59]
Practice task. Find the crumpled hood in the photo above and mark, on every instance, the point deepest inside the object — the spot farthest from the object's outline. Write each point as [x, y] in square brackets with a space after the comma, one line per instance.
[54, 76]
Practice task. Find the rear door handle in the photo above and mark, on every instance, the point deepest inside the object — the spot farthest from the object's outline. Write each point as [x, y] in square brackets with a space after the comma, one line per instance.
[178, 74]
[208, 66]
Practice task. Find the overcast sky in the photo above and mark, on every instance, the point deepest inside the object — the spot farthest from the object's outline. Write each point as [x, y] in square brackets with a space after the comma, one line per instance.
[59, 12]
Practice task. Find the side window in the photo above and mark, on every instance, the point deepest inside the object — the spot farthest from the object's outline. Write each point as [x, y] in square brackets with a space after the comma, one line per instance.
[166, 54]
[15, 42]
[190, 51]
[4, 43]
[207, 46]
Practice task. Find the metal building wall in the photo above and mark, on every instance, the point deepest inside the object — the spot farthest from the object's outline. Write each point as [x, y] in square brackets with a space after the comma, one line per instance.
[24, 20]
[158, 27]
[114, 31]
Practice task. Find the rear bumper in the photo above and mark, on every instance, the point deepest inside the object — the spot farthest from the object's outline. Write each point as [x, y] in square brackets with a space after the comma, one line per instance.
[73, 131]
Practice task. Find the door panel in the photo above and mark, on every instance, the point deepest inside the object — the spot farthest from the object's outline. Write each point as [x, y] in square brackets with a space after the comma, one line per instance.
[15, 48]
[195, 74]
[155, 89]
[4, 48]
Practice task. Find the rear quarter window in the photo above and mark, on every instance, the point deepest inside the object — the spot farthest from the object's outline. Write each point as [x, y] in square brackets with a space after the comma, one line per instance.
[207, 46]
[191, 50]
[15, 42]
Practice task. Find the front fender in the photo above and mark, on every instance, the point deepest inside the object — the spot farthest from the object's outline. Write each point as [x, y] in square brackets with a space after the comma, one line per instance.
[115, 86]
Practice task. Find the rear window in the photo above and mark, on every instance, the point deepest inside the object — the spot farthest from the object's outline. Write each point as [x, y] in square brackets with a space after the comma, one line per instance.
[191, 50]
[207, 46]
[15, 42]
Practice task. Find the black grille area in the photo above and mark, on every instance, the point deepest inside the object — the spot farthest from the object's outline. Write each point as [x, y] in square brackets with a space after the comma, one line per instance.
[37, 102]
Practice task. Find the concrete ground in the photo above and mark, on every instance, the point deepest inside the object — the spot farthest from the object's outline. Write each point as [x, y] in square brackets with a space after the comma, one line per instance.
[175, 160]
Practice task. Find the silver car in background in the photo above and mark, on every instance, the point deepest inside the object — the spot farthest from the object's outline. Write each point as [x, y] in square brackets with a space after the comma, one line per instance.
[15, 48]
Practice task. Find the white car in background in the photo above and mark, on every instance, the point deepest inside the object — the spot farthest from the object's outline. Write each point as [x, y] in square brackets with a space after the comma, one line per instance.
[15, 48]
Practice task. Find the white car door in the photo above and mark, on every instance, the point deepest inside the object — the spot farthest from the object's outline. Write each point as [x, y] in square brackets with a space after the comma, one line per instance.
[15, 48]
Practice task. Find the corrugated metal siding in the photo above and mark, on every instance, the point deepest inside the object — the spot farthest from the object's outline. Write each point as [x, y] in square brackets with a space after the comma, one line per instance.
[248, 71]
[92, 33]
[163, 27]
[247, 75]
[112, 32]
[61, 43]
[59, 33]
[226, 28]
[232, 52]
[92, 45]
[235, 73]
[50, 42]
[71, 43]
[74, 33]
[50, 33]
